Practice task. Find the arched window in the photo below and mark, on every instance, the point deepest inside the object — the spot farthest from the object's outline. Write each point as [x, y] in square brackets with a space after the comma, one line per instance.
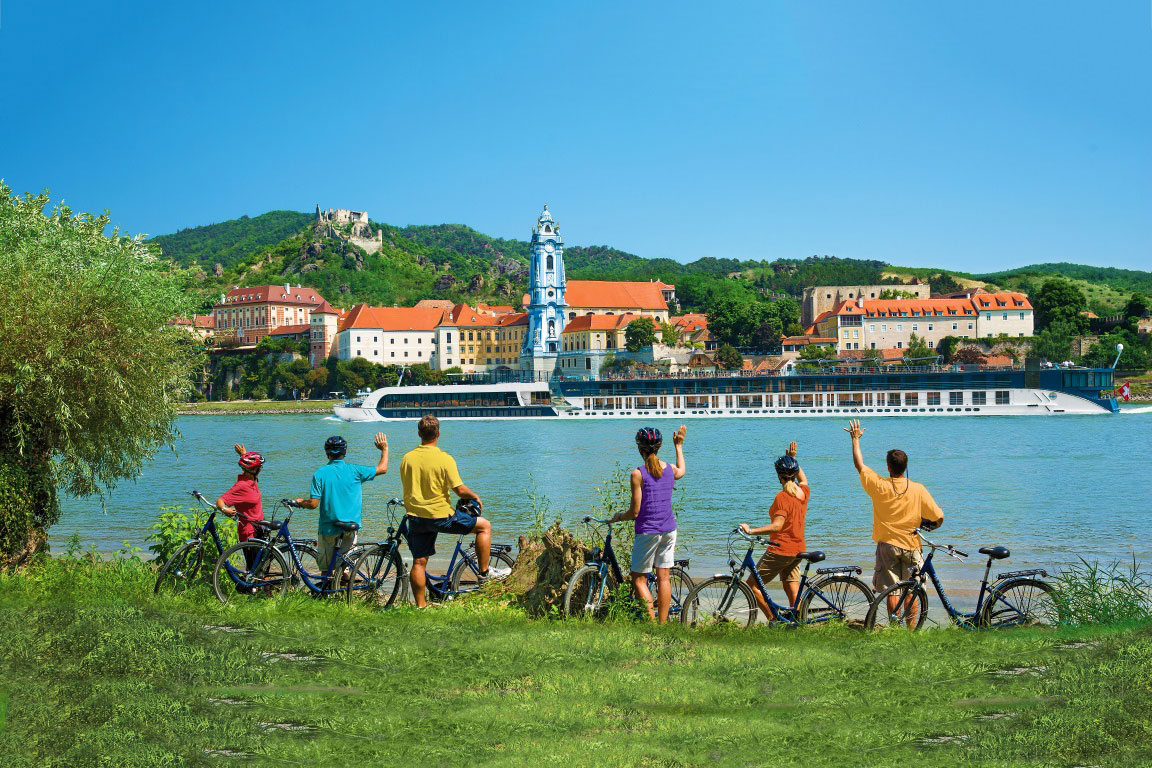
[551, 263]
[551, 328]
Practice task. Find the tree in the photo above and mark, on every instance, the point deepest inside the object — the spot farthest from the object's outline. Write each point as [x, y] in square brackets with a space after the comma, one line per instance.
[947, 347]
[918, 347]
[727, 357]
[640, 333]
[669, 335]
[812, 352]
[1059, 300]
[968, 355]
[316, 379]
[871, 354]
[91, 370]
[1137, 306]
[895, 293]
[1054, 343]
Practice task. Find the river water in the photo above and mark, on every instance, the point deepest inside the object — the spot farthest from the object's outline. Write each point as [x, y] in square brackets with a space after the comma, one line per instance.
[1052, 489]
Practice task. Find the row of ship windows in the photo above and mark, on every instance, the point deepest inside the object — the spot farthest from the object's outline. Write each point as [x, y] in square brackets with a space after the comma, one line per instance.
[786, 410]
[849, 400]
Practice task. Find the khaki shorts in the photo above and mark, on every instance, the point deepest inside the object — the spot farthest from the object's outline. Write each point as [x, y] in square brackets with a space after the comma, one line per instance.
[772, 565]
[893, 564]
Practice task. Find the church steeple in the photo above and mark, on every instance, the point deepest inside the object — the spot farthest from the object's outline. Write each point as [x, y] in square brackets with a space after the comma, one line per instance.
[546, 304]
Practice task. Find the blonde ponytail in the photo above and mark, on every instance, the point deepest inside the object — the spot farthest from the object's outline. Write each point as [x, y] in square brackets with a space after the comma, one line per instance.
[792, 489]
[655, 467]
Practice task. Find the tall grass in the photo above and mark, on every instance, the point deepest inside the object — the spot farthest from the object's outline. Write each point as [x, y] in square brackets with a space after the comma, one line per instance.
[1092, 593]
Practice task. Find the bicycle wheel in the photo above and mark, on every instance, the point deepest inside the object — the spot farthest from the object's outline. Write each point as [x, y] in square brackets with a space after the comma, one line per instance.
[719, 600]
[268, 576]
[378, 577]
[465, 577]
[309, 561]
[911, 607]
[680, 583]
[588, 593]
[1021, 603]
[181, 570]
[836, 598]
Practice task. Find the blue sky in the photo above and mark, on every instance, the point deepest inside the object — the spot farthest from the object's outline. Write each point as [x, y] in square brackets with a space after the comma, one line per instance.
[973, 136]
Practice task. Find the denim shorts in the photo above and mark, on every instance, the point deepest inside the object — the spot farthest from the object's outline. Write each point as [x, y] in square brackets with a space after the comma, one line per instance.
[422, 531]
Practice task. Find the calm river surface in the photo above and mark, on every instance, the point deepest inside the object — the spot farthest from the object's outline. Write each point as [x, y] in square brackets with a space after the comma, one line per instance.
[1050, 489]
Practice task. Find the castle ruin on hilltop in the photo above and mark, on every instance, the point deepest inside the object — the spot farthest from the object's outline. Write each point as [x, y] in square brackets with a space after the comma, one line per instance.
[351, 226]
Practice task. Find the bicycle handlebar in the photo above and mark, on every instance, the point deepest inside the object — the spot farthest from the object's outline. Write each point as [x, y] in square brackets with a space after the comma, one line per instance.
[590, 519]
[755, 539]
[395, 502]
[948, 548]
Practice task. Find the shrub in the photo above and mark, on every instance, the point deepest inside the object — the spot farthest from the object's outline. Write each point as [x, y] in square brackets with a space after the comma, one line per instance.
[1091, 593]
[173, 528]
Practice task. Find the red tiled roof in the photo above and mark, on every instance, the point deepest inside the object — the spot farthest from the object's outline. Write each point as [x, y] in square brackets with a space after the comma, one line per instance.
[598, 322]
[204, 321]
[434, 304]
[326, 309]
[290, 330]
[594, 294]
[513, 318]
[995, 301]
[806, 339]
[393, 318]
[263, 294]
[690, 321]
[909, 307]
[498, 309]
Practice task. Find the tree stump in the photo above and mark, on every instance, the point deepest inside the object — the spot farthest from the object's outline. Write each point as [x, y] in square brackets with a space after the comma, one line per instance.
[543, 568]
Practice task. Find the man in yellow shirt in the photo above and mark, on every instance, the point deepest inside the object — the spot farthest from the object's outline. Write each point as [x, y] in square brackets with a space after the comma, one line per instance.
[899, 506]
[428, 474]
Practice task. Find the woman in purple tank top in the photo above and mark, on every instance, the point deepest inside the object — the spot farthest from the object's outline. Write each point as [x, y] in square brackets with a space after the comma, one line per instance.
[655, 543]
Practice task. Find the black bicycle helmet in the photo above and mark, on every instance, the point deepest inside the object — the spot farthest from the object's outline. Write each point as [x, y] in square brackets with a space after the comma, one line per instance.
[787, 466]
[335, 447]
[468, 507]
[649, 439]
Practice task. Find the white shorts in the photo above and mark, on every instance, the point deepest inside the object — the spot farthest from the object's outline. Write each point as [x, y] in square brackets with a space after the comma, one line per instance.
[653, 550]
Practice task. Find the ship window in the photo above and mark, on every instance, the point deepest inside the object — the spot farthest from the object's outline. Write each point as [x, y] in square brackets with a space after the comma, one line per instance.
[1001, 398]
[979, 398]
[933, 398]
[955, 398]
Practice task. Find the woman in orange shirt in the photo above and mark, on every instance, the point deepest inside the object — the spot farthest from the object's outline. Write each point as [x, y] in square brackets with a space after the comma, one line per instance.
[786, 530]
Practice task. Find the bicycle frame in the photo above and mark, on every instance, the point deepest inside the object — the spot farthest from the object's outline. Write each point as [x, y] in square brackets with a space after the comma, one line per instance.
[958, 617]
[785, 613]
[604, 558]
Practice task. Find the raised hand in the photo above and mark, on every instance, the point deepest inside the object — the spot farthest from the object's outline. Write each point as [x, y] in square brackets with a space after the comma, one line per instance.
[381, 441]
[854, 429]
[239, 448]
[792, 449]
[678, 437]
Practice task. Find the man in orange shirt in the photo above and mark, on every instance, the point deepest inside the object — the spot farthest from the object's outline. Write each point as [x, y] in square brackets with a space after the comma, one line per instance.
[899, 506]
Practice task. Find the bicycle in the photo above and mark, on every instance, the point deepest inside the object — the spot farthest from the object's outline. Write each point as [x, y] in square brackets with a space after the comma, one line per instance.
[1015, 598]
[182, 568]
[380, 569]
[834, 595]
[592, 586]
[258, 567]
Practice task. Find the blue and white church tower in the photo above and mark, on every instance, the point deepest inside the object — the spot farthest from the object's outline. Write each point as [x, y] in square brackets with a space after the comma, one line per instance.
[546, 303]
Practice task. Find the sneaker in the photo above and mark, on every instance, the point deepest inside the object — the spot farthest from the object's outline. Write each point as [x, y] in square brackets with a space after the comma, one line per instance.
[495, 573]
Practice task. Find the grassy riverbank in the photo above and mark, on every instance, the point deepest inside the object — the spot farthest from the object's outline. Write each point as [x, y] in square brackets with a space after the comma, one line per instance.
[246, 407]
[95, 670]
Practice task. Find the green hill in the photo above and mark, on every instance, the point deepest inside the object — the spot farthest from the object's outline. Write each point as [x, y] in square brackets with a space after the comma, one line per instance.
[230, 241]
[455, 262]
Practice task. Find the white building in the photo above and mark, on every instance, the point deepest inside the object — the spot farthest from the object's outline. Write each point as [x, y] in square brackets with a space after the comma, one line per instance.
[390, 335]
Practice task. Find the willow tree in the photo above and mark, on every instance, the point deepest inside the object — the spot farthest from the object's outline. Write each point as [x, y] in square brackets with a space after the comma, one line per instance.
[90, 368]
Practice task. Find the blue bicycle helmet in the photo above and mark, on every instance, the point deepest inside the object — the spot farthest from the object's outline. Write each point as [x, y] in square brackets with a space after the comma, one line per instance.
[468, 507]
[649, 439]
[787, 466]
[335, 447]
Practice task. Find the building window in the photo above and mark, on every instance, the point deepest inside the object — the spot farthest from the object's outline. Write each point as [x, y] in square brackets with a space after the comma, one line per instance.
[900, 326]
[393, 353]
[979, 398]
[392, 341]
[883, 327]
[915, 326]
[955, 326]
[929, 326]
[955, 398]
[970, 326]
[899, 345]
[448, 339]
[873, 345]
[1021, 315]
[1005, 316]
[375, 353]
[357, 339]
[872, 328]
[931, 345]
[1002, 398]
[405, 353]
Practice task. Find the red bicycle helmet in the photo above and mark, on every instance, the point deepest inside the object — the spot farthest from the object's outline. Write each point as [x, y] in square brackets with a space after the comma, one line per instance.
[251, 460]
[649, 438]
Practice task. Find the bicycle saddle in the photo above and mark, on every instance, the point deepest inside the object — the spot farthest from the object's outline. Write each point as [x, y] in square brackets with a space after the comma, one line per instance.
[346, 527]
[996, 553]
[813, 557]
[265, 525]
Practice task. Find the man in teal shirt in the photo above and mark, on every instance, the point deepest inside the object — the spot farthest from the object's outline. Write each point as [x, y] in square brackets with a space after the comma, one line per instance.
[336, 490]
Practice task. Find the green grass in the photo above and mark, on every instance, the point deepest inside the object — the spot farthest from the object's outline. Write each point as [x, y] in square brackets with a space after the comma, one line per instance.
[97, 671]
[263, 406]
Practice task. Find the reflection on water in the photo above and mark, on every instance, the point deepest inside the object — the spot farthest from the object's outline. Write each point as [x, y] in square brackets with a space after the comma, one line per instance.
[1050, 489]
